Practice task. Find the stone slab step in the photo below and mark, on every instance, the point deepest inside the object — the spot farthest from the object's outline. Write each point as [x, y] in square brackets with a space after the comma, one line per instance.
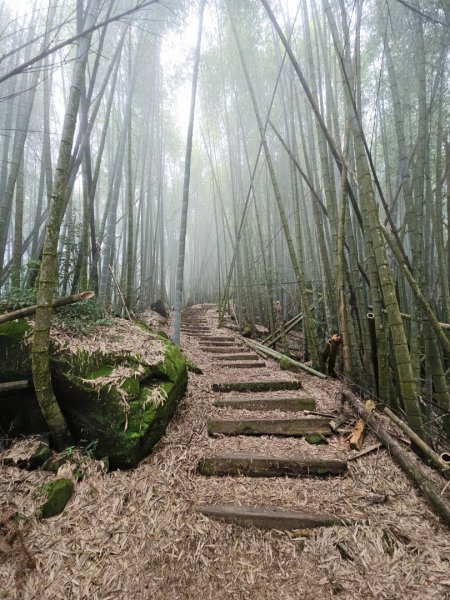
[246, 364]
[225, 344]
[221, 349]
[260, 465]
[257, 386]
[216, 338]
[193, 319]
[191, 333]
[283, 427]
[246, 356]
[286, 404]
[268, 518]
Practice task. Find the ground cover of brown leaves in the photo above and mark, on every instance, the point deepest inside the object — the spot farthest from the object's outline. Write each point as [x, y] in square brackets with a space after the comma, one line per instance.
[135, 534]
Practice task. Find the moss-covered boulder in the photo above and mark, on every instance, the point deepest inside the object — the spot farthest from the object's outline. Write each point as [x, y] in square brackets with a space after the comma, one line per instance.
[58, 494]
[117, 387]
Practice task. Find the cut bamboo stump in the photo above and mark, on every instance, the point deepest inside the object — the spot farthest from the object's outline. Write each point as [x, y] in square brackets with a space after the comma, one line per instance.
[280, 427]
[357, 439]
[268, 518]
[257, 386]
[238, 356]
[255, 465]
[244, 365]
[286, 404]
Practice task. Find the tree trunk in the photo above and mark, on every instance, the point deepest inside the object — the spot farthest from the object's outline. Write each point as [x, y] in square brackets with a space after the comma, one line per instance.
[48, 275]
[187, 175]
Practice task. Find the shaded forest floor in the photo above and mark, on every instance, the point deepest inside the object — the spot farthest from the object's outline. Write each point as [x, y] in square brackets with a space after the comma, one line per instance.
[135, 534]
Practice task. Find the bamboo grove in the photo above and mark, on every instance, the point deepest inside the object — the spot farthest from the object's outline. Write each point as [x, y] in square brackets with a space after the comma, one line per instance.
[320, 173]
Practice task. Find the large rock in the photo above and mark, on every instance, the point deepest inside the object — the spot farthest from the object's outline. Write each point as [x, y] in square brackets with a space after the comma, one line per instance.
[118, 388]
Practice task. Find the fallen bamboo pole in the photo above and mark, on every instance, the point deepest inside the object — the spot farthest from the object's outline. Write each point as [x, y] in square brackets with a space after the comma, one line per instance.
[407, 317]
[287, 329]
[14, 386]
[278, 357]
[437, 461]
[413, 470]
[30, 310]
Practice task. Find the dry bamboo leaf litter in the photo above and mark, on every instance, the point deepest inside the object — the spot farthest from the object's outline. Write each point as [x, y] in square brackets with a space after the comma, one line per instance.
[135, 534]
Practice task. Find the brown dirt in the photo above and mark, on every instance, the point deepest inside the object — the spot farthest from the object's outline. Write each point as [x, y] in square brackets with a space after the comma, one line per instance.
[136, 534]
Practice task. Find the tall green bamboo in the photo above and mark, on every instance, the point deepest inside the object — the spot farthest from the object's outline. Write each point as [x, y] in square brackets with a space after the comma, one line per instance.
[187, 175]
[48, 274]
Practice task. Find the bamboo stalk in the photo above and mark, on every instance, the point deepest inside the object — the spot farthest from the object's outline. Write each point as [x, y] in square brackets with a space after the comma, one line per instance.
[373, 348]
[30, 310]
[287, 327]
[407, 317]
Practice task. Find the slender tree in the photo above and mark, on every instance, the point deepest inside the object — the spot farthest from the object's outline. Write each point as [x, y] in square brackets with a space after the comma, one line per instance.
[187, 175]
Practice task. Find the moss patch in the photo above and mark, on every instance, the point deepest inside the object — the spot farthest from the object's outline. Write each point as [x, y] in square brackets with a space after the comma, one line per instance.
[316, 438]
[59, 492]
[42, 454]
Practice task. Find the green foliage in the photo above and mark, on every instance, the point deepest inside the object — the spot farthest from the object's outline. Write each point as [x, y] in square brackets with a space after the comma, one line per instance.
[17, 298]
[15, 329]
[90, 448]
[81, 317]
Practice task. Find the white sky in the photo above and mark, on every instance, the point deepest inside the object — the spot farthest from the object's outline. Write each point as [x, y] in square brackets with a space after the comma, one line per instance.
[176, 49]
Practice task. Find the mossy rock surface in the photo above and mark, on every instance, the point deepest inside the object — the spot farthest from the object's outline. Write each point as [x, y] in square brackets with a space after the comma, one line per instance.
[316, 438]
[38, 458]
[122, 398]
[59, 492]
[194, 368]
[15, 358]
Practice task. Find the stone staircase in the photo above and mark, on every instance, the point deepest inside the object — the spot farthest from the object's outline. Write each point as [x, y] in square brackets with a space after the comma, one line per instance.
[257, 394]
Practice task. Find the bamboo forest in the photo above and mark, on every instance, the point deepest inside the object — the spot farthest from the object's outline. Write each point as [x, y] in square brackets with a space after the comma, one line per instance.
[224, 299]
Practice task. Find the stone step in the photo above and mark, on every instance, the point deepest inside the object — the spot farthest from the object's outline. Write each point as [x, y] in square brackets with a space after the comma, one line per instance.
[191, 333]
[260, 465]
[216, 338]
[257, 386]
[219, 344]
[246, 364]
[268, 518]
[246, 356]
[221, 349]
[282, 427]
[261, 403]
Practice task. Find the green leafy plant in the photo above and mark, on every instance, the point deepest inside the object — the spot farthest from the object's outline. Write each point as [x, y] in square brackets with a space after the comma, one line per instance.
[81, 317]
